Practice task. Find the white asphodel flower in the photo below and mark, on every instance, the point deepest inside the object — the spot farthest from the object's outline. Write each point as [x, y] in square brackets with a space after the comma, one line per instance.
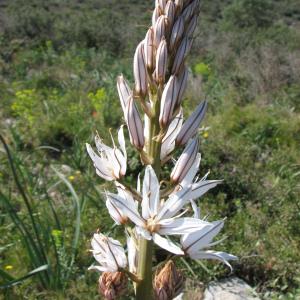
[159, 218]
[197, 187]
[110, 164]
[195, 244]
[109, 253]
[117, 214]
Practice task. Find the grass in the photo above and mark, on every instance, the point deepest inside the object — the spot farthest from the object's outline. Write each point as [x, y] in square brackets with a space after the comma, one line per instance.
[57, 87]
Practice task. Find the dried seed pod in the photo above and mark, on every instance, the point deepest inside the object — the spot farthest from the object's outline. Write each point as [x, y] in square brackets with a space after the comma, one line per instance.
[159, 30]
[139, 71]
[191, 27]
[170, 12]
[161, 62]
[177, 32]
[168, 282]
[124, 91]
[181, 54]
[191, 125]
[181, 82]
[112, 285]
[135, 125]
[149, 49]
[185, 161]
[168, 101]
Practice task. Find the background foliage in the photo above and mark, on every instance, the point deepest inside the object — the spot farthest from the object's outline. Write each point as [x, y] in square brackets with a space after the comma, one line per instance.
[58, 65]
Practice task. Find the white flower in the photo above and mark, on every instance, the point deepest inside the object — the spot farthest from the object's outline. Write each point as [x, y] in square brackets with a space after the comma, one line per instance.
[109, 253]
[168, 142]
[110, 164]
[132, 252]
[195, 244]
[118, 216]
[159, 218]
[197, 187]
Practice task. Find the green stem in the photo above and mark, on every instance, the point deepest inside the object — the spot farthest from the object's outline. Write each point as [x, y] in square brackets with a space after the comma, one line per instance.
[144, 289]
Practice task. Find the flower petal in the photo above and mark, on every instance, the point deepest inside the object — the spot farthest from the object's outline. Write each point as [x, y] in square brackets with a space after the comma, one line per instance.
[130, 211]
[174, 203]
[166, 244]
[202, 237]
[180, 226]
[102, 166]
[201, 187]
[188, 179]
[168, 142]
[222, 256]
[150, 202]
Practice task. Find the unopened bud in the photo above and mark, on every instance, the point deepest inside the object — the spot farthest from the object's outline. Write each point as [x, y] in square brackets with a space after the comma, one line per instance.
[159, 30]
[161, 61]
[189, 11]
[112, 285]
[168, 101]
[149, 49]
[181, 54]
[161, 4]
[170, 12]
[135, 125]
[190, 126]
[191, 27]
[185, 161]
[179, 6]
[155, 15]
[124, 91]
[139, 71]
[177, 32]
[168, 282]
[182, 80]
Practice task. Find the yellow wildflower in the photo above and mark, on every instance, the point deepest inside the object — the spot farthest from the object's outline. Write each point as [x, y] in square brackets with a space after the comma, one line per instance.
[8, 267]
[205, 134]
[71, 177]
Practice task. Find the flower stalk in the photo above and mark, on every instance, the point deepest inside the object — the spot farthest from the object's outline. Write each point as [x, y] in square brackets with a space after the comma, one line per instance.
[149, 213]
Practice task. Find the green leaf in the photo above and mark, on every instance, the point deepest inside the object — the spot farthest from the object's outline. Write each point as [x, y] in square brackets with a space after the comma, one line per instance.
[14, 282]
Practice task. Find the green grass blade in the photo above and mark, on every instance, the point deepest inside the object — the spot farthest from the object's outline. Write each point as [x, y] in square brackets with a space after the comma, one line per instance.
[20, 280]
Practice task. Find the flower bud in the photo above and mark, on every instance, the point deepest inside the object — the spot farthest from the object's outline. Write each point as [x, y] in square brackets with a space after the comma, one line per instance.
[191, 27]
[124, 91]
[170, 12]
[181, 54]
[112, 285]
[155, 16]
[168, 282]
[168, 101]
[177, 32]
[190, 126]
[181, 82]
[189, 11]
[135, 125]
[149, 49]
[161, 4]
[139, 71]
[159, 30]
[179, 6]
[185, 161]
[161, 62]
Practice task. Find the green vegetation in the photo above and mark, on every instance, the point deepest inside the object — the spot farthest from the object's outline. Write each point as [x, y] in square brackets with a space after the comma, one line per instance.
[58, 66]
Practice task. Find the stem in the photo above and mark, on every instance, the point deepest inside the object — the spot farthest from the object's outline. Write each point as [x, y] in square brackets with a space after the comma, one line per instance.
[144, 289]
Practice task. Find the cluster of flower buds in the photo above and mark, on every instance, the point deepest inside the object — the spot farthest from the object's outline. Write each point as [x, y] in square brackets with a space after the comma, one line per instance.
[148, 212]
[112, 285]
[168, 282]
